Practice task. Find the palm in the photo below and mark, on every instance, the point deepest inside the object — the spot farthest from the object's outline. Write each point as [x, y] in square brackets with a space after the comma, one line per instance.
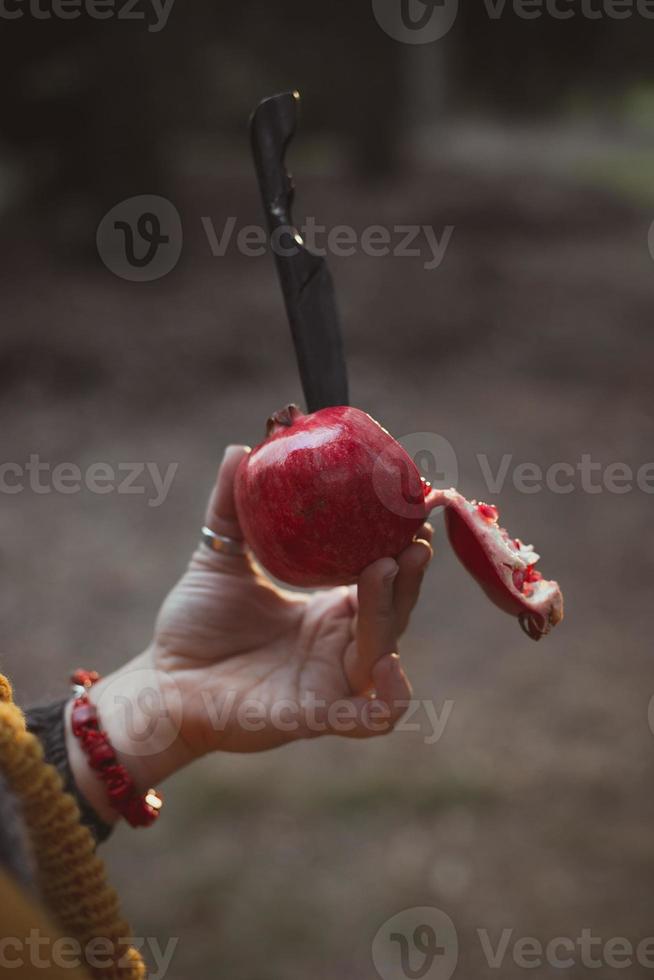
[230, 641]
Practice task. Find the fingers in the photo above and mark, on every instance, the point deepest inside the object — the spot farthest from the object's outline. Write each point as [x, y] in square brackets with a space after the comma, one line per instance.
[221, 509]
[425, 533]
[412, 564]
[375, 624]
[387, 591]
[378, 715]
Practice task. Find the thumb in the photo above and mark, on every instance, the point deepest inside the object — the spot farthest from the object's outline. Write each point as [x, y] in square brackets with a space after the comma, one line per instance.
[221, 517]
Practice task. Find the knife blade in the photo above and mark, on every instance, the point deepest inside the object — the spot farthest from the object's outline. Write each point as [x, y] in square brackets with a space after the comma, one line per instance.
[305, 280]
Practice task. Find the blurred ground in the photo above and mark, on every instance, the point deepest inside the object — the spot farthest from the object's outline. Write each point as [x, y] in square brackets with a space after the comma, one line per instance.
[534, 810]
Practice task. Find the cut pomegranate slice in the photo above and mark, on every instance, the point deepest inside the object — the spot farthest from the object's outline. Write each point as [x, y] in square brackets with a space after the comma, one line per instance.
[503, 566]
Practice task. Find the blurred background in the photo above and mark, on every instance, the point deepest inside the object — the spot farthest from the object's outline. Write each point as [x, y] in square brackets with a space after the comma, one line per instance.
[534, 140]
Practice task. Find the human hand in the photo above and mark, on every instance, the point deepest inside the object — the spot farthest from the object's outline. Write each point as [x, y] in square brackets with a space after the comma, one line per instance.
[238, 664]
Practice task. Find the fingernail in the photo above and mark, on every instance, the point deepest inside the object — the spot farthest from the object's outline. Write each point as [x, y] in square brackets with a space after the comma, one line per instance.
[421, 535]
[234, 447]
[389, 577]
[426, 557]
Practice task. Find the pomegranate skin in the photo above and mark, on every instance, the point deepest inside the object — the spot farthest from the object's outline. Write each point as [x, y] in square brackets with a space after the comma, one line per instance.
[325, 495]
[502, 565]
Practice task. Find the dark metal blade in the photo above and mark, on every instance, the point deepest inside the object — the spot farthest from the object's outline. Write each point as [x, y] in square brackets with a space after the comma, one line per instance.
[305, 279]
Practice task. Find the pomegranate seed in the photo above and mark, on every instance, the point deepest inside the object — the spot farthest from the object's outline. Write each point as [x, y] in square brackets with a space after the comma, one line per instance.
[488, 512]
[523, 579]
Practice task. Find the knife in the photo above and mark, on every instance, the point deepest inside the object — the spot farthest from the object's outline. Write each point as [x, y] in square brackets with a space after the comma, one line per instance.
[305, 280]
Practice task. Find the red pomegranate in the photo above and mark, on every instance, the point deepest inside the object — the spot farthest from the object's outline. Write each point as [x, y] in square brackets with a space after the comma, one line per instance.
[320, 498]
[327, 494]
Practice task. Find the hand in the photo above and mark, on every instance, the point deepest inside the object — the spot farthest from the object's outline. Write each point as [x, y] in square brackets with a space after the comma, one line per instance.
[240, 665]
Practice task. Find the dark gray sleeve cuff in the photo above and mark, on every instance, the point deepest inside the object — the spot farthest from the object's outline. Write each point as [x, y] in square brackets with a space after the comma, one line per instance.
[47, 723]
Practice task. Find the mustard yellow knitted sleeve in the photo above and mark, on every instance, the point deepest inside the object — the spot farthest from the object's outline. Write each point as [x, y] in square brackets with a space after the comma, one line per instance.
[72, 878]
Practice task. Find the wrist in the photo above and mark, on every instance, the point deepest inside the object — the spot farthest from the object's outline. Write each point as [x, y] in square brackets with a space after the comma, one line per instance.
[140, 712]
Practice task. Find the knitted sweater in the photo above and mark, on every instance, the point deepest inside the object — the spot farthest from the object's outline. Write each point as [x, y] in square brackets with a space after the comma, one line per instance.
[50, 876]
[47, 723]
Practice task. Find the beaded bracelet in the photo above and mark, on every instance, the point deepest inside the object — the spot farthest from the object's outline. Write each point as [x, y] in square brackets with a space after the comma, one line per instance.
[140, 810]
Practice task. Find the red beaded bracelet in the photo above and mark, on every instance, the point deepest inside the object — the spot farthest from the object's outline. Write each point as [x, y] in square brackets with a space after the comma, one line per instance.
[140, 810]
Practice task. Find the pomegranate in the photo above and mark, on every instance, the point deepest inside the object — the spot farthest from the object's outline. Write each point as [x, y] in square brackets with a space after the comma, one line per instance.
[320, 499]
[326, 494]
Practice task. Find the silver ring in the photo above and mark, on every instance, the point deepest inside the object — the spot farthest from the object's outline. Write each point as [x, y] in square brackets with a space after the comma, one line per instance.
[221, 543]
